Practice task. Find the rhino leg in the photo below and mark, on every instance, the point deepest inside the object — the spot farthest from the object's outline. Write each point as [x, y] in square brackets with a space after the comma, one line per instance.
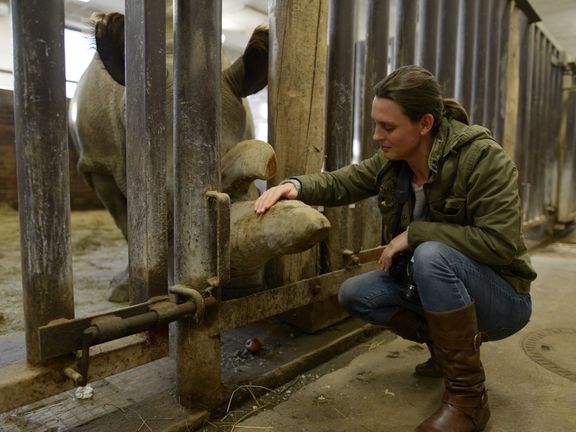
[118, 289]
[113, 199]
[115, 202]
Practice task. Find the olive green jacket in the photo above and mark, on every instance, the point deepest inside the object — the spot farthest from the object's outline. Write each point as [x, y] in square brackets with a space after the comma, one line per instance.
[472, 194]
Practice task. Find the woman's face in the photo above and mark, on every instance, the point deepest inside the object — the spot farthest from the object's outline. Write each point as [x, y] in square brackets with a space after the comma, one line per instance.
[399, 137]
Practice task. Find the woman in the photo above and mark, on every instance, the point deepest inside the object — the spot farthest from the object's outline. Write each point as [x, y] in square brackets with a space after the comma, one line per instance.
[461, 223]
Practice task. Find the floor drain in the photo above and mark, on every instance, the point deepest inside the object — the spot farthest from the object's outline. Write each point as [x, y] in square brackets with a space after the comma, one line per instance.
[551, 349]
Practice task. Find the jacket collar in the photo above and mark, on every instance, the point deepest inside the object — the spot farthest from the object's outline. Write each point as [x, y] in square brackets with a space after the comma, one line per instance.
[450, 137]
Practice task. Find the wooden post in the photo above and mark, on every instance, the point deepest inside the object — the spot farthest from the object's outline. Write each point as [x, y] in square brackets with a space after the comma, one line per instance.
[296, 105]
[197, 107]
[42, 165]
[146, 148]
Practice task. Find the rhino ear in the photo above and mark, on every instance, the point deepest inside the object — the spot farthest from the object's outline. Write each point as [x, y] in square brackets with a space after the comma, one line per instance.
[255, 60]
[109, 36]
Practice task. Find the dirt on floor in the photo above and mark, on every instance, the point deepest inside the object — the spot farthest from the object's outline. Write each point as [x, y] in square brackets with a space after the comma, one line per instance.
[99, 251]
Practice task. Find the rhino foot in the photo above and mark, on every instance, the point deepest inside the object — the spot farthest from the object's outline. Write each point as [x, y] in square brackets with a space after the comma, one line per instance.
[118, 290]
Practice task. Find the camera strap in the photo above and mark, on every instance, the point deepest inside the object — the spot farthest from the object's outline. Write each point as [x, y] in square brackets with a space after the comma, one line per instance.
[402, 194]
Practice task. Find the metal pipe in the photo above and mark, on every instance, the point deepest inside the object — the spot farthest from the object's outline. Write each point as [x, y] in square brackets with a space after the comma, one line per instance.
[491, 90]
[447, 42]
[42, 165]
[465, 63]
[479, 66]
[428, 34]
[146, 148]
[376, 55]
[503, 47]
[339, 118]
[405, 41]
[197, 106]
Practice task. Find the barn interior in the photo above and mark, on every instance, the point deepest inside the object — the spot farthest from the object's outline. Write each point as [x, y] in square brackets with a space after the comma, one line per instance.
[314, 368]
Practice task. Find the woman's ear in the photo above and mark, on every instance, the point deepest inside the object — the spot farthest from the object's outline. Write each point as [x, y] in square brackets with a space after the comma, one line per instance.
[426, 123]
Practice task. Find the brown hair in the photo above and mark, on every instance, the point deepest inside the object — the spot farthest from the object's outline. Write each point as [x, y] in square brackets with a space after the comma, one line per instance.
[418, 92]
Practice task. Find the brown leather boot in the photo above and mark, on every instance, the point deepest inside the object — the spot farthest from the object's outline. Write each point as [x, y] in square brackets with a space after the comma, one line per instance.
[430, 368]
[457, 347]
[413, 327]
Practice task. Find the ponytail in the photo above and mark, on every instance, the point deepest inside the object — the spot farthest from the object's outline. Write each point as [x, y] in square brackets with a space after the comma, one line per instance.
[453, 109]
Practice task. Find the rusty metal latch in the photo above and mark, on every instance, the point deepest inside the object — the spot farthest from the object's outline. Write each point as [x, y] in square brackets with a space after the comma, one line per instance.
[350, 258]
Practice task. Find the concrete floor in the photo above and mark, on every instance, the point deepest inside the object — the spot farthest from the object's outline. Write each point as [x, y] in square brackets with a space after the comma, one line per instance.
[531, 377]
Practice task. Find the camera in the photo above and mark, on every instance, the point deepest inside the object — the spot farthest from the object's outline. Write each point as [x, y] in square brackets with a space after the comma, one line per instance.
[402, 271]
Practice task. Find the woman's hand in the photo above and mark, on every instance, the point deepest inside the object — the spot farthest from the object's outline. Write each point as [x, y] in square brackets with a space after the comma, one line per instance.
[273, 195]
[396, 245]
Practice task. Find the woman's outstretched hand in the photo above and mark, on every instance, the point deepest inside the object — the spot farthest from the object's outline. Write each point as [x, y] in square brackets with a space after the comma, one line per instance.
[273, 195]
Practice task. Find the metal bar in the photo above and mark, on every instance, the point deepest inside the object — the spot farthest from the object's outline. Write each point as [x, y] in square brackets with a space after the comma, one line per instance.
[376, 68]
[525, 124]
[503, 51]
[536, 207]
[197, 63]
[479, 67]
[242, 311]
[42, 165]
[376, 55]
[447, 43]
[339, 119]
[428, 34]
[491, 31]
[465, 63]
[405, 41]
[146, 148]
[65, 336]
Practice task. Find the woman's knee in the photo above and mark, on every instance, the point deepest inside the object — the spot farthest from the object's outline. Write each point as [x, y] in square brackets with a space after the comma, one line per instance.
[348, 292]
[431, 255]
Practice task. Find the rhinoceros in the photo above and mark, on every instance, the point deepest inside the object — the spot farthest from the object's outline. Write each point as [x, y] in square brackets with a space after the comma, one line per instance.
[97, 126]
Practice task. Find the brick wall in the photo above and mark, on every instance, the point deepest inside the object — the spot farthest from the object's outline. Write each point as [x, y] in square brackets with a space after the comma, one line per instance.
[81, 196]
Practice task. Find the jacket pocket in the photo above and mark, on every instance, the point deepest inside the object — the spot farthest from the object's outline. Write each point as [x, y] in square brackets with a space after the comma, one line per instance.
[451, 210]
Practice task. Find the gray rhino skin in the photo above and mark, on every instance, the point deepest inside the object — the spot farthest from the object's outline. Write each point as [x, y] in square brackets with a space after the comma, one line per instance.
[97, 126]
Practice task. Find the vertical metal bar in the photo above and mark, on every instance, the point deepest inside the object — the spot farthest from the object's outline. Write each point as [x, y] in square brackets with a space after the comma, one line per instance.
[197, 106]
[465, 62]
[491, 31]
[524, 135]
[535, 210]
[405, 46]
[376, 55]
[567, 173]
[511, 49]
[447, 42]
[339, 116]
[146, 147]
[428, 34]
[42, 164]
[500, 90]
[479, 67]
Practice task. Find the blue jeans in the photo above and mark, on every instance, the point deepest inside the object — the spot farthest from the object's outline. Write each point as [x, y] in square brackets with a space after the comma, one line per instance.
[446, 280]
